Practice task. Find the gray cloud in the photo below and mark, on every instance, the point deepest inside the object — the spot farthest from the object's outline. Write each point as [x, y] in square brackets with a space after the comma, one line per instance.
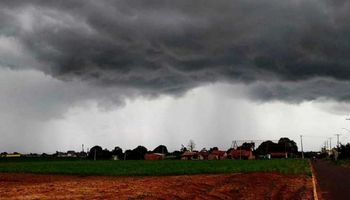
[168, 47]
[320, 89]
[30, 95]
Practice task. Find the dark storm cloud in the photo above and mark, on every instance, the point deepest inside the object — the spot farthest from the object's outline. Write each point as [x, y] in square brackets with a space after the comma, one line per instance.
[309, 90]
[172, 46]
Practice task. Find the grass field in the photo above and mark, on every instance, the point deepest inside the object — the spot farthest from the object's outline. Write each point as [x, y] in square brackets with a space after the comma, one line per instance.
[155, 168]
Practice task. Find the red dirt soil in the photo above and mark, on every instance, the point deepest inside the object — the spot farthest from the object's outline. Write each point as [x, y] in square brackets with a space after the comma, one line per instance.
[218, 186]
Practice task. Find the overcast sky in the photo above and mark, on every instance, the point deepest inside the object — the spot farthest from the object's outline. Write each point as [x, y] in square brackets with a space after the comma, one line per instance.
[128, 73]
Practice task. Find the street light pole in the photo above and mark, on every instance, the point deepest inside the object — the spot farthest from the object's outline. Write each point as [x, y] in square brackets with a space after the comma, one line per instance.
[338, 139]
[301, 144]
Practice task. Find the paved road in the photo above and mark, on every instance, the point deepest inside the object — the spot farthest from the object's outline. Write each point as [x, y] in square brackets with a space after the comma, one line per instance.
[333, 181]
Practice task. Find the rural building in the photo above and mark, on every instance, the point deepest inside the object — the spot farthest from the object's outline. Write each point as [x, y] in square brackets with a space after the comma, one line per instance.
[71, 154]
[190, 155]
[217, 155]
[61, 154]
[240, 154]
[12, 155]
[203, 155]
[82, 154]
[154, 156]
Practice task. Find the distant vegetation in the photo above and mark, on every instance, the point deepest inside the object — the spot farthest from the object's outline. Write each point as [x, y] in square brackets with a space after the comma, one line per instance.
[344, 151]
[341, 152]
[284, 148]
[155, 168]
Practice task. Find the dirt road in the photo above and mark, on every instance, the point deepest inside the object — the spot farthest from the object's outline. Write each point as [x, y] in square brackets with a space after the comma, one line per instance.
[333, 181]
[220, 186]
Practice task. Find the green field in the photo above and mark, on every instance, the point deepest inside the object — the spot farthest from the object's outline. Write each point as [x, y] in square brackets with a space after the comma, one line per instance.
[155, 168]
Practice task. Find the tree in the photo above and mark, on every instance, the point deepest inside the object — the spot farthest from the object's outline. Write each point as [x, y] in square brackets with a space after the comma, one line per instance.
[191, 145]
[140, 152]
[118, 152]
[213, 149]
[266, 147]
[288, 145]
[106, 154]
[247, 146]
[344, 151]
[183, 148]
[175, 154]
[128, 155]
[95, 153]
[283, 145]
[136, 154]
[160, 149]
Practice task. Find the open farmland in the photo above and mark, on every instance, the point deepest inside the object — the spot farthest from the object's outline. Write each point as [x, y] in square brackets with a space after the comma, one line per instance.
[167, 179]
[155, 168]
[215, 186]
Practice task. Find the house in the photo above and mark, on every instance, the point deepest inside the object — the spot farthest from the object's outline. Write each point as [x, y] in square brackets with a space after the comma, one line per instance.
[154, 156]
[203, 155]
[217, 155]
[82, 154]
[240, 154]
[190, 155]
[61, 154]
[13, 155]
[71, 154]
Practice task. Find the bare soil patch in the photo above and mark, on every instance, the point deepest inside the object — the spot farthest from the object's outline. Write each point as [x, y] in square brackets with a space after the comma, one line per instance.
[217, 186]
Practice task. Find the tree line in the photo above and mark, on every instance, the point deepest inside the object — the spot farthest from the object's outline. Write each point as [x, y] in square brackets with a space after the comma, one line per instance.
[138, 153]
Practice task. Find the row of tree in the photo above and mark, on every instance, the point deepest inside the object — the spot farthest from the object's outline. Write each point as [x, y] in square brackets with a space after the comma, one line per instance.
[138, 153]
[283, 145]
[97, 152]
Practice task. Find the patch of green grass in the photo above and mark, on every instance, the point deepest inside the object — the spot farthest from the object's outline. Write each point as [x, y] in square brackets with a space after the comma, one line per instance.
[156, 168]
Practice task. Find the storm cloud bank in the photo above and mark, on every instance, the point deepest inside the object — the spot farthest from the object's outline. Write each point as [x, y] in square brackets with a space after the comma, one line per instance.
[286, 50]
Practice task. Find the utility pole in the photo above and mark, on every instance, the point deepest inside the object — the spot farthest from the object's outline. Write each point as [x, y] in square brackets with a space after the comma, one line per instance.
[330, 143]
[301, 144]
[95, 154]
[338, 139]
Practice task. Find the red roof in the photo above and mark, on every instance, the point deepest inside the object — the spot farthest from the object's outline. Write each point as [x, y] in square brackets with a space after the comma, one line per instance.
[189, 153]
[218, 153]
[237, 153]
[154, 156]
